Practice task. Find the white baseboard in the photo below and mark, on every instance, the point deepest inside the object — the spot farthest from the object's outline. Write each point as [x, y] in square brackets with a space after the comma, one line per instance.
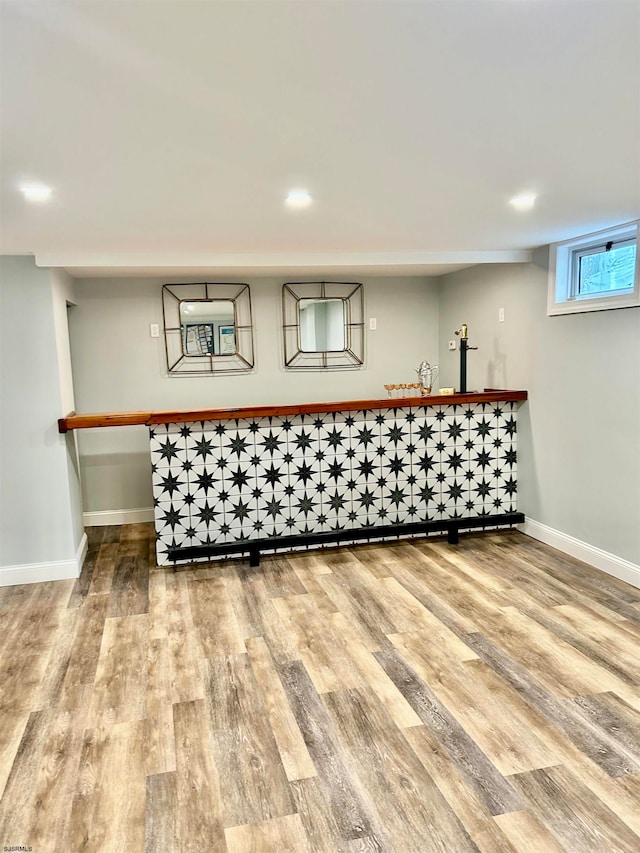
[596, 557]
[58, 570]
[117, 516]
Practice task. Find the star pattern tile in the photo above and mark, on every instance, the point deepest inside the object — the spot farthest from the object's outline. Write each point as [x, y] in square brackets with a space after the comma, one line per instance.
[230, 481]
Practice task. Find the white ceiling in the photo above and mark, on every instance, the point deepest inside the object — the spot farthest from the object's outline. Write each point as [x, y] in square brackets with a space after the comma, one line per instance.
[171, 131]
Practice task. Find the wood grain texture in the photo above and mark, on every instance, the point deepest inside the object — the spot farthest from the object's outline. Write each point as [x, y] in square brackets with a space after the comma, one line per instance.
[482, 776]
[371, 673]
[185, 680]
[110, 419]
[160, 830]
[391, 774]
[525, 832]
[104, 567]
[111, 762]
[11, 734]
[407, 696]
[85, 652]
[452, 784]
[573, 814]
[343, 792]
[294, 755]
[590, 739]
[620, 722]
[130, 585]
[470, 694]
[321, 648]
[284, 834]
[121, 681]
[244, 745]
[217, 629]
[610, 645]
[159, 732]
[320, 822]
[198, 791]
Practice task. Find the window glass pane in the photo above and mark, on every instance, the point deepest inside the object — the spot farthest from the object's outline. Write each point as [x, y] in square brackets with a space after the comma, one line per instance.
[603, 272]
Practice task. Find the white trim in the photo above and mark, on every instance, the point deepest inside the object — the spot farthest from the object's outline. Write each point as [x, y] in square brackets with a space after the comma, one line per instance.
[117, 516]
[561, 257]
[596, 557]
[59, 570]
[81, 553]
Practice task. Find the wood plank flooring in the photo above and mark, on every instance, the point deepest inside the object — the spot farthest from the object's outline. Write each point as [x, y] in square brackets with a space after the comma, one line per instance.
[412, 696]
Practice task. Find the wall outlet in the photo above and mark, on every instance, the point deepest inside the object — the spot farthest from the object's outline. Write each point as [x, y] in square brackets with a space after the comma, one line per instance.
[154, 330]
[500, 315]
[452, 345]
[373, 324]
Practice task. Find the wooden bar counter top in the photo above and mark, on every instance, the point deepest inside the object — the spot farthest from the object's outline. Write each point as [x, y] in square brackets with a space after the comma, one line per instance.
[169, 416]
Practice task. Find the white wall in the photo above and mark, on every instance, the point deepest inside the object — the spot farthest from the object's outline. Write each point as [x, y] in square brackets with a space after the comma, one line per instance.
[40, 522]
[118, 366]
[579, 433]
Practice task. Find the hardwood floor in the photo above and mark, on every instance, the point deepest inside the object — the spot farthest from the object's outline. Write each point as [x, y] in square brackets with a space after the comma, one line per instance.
[412, 696]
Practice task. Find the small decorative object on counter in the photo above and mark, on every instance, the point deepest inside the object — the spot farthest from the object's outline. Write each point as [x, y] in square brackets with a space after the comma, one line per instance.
[427, 376]
[403, 389]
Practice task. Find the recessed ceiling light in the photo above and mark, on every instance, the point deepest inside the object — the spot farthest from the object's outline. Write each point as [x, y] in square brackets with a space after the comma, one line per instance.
[298, 199]
[36, 192]
[524, 201]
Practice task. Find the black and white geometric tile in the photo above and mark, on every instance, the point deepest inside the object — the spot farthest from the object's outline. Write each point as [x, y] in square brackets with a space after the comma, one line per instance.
[216, 482]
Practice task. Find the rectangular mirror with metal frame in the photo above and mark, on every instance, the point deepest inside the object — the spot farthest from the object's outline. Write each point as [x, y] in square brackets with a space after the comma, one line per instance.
[323, 325]
[208, 328]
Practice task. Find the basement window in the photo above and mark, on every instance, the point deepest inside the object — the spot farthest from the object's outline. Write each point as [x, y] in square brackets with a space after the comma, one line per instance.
[595, 272]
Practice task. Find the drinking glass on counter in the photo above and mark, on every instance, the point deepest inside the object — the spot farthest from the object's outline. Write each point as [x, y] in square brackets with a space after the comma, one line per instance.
[403, 389]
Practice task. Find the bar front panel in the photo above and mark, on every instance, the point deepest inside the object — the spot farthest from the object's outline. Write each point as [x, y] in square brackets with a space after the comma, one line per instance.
[231, 481]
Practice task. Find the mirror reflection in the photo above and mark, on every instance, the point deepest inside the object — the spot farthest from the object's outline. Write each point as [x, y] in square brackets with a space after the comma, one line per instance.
[208, 327]
[322, 325]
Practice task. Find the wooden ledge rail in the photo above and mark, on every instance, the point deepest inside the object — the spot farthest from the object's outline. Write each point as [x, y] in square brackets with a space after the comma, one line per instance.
[173, 416]
[105, 419]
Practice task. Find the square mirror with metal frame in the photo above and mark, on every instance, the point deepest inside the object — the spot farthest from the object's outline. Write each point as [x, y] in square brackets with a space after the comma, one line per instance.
[323, 325]
[208, 328]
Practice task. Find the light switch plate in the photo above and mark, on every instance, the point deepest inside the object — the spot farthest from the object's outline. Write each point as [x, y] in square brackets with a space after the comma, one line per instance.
[452, 345]
[154, 329]
[373, 324]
